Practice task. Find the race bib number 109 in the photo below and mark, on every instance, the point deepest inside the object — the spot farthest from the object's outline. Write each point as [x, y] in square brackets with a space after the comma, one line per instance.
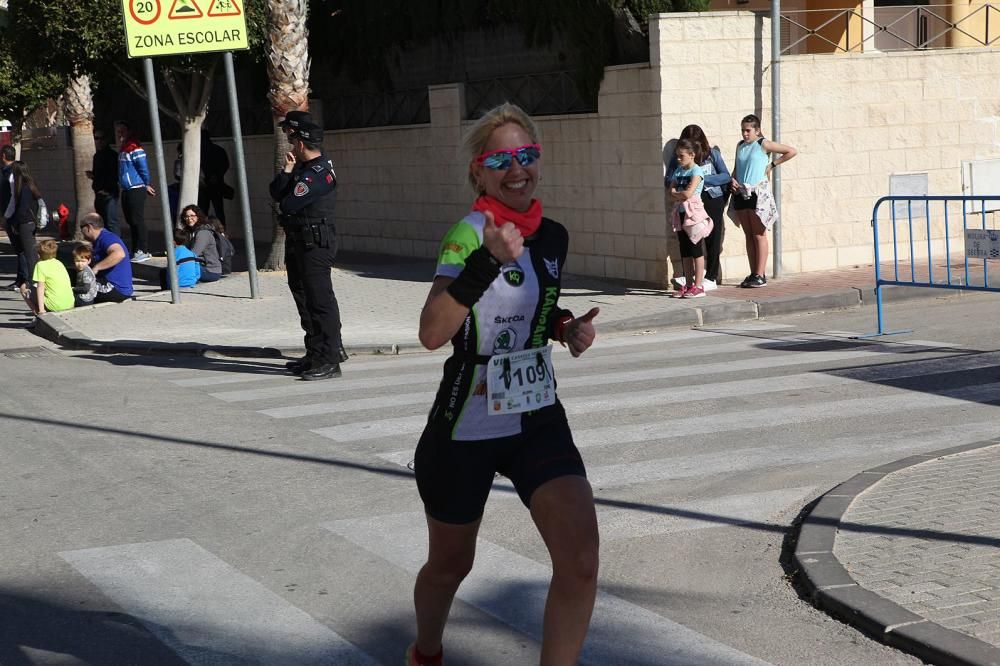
[520, 381]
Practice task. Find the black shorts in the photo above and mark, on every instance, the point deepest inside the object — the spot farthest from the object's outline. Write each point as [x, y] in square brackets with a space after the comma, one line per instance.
[739, 203]
[454, 477]
[690, 250]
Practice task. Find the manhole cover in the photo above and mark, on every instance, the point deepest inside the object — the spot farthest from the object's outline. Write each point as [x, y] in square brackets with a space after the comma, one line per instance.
[28, 352]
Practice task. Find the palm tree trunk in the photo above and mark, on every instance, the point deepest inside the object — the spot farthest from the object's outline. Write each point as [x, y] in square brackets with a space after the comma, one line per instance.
[288, 72]
[79, 104]
[191, 92]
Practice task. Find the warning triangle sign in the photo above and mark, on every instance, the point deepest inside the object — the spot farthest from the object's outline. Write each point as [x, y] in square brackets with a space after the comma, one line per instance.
[184, 9]
[224, 8]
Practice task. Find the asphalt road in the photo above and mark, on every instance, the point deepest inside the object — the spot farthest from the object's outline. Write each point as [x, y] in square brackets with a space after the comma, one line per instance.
[215, 511]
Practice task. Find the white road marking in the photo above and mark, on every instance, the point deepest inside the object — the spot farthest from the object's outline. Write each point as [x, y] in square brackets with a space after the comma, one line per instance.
[207, 611]
[620, 632]
[404, 399]
[704, 465]
[618, 524]
[788, 415]
[403, 425]
[348, 383]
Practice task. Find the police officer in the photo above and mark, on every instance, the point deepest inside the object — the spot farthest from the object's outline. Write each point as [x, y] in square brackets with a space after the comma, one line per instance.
[305, 190]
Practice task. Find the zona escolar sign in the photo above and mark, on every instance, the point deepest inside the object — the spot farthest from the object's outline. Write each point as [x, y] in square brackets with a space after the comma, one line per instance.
[177, 27]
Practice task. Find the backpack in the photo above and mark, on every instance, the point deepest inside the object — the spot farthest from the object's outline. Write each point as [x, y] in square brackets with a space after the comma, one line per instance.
[41, 214]
[226, 252]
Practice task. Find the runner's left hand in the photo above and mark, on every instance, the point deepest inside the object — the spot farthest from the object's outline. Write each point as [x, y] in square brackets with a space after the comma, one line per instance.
[579, 333]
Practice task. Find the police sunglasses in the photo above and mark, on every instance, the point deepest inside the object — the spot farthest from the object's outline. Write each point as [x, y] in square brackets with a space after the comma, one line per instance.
[501, 160]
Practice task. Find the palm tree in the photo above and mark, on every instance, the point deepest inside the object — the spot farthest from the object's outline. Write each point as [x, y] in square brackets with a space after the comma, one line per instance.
[79, 108]
[288, 72]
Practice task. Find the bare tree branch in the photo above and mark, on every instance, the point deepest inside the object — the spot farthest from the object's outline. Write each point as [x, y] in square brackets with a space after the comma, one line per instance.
[140, 90]
[171, 81]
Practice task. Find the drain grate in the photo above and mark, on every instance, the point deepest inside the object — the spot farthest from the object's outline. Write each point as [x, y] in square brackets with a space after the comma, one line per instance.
[28, 352]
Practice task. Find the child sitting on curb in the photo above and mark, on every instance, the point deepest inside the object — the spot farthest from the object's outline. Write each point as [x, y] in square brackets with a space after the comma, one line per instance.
[85, 289]
[53, 291]
[188, 265]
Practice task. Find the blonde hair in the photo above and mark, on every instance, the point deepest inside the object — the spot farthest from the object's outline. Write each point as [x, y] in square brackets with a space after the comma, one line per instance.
[48, 249]
[476, 138]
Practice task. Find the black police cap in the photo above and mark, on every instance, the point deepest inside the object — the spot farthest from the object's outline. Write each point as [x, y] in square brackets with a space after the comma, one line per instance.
[295, 118]
[308, 132]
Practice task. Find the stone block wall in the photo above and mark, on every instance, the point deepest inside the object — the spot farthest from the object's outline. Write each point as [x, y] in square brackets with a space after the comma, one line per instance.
[856, 120]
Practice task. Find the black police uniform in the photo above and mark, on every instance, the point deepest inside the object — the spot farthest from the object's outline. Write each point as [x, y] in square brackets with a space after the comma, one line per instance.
[307, 197]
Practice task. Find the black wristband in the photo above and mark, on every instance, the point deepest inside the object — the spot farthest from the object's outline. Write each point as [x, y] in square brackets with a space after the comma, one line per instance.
[481, 268]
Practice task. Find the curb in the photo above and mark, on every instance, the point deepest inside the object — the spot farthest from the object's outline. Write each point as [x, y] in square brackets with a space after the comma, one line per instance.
[54, 329]
[833, 590]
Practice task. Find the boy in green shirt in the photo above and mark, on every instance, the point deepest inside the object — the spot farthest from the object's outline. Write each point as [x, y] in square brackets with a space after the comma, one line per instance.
[53, 290]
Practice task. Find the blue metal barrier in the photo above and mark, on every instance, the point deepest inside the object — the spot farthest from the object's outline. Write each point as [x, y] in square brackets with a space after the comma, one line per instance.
[959, 279]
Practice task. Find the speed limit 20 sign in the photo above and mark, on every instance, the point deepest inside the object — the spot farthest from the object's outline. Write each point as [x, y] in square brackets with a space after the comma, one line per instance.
[176, 27]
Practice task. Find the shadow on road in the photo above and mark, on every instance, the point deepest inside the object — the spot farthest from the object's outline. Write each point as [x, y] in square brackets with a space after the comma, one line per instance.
[32, 624]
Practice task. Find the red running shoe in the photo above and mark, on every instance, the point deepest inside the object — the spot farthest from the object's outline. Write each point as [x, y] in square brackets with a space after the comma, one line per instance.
[415, 658]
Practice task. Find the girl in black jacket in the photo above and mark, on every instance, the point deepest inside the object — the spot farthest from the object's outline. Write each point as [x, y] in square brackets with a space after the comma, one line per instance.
[22, 223]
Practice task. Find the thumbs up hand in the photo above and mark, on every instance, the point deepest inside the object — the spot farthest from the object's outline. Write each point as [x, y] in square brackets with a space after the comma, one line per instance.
[505, 242]
[579, 333]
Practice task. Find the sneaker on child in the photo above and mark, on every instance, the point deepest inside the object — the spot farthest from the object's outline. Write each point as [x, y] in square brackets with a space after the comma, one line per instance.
[709, 285]
[756, 281]
[139, 255]
[694, 292]
[679, 293]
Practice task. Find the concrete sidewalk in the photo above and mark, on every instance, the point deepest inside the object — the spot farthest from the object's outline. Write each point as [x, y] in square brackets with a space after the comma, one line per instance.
[380, 301]
[864, 551]
[909, 552]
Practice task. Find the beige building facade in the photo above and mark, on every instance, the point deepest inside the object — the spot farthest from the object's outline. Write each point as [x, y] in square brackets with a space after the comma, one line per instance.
[859, 120]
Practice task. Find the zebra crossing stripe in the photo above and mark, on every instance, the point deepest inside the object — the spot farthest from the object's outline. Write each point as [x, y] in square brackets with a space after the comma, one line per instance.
[620, 631]
[787, 415]
[618, 524]
[407, 361]
[582, 405]
[703, 465]
[425, 398]
[404, 425]
[205, 610]
[286, 388]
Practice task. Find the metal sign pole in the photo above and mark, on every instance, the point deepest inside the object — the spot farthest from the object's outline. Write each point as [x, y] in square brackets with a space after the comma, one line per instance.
[168, 232]
[776, 126]
[241, 173]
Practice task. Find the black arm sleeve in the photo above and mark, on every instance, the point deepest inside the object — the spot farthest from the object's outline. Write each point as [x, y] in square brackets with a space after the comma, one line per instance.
[281, 185]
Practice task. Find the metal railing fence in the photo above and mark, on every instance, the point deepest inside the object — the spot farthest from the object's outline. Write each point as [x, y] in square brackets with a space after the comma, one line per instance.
[930, 221]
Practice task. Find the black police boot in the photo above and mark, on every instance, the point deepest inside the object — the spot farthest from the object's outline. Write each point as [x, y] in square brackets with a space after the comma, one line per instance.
[299, 366]
[325, 371]
[343, 353]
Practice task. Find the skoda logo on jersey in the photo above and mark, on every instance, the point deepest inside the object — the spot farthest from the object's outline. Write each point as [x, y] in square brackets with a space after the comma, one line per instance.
[552, 266]
[505, 341]
[513, 275]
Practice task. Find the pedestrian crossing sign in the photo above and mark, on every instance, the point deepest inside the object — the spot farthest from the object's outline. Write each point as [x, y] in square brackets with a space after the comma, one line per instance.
[180, 27]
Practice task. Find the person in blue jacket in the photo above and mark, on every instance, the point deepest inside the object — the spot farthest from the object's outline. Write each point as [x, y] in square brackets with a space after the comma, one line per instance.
[136, 183]
[714, 196]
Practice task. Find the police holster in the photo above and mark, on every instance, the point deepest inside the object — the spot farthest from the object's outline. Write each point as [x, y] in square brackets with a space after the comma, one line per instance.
[308, 234]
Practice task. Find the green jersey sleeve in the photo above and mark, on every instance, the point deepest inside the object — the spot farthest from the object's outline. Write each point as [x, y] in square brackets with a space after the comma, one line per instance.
[460, 241]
